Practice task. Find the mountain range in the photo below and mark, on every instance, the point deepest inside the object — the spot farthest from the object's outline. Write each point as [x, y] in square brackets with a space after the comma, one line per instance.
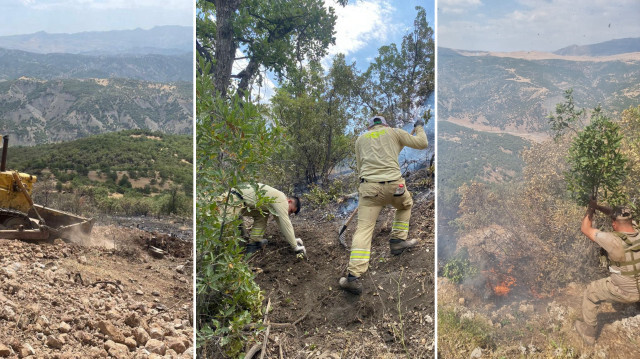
[165, 40]
[491, 105]
[607, 48]
[61, 87]
[36, 111]
[515, 92]
[148, 67]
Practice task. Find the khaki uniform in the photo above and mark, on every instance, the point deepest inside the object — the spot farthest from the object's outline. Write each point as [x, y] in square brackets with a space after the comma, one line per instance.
[279, 208]
[377, 153]
[621, 285]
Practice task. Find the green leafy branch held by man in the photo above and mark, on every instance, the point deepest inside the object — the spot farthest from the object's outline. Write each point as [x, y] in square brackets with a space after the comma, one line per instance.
[597, 165]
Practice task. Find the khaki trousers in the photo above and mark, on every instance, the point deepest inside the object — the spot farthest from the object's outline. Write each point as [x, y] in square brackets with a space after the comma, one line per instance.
[602, 291]
[373, 197]
[259, 219]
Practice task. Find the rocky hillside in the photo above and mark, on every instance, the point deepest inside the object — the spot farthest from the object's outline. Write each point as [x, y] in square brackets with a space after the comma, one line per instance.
[515, 94]
[75, 301]
[38, 111]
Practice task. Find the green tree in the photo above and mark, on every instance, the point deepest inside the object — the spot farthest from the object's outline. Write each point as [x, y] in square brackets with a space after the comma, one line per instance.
[399, 81]
[567, 117]
[276, 34]
[233, 140]
[596, 163]
[124, 182]
[314, 110]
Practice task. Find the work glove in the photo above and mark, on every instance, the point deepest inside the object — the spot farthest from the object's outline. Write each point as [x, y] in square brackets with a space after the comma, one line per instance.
[420, 123]
[299, 250]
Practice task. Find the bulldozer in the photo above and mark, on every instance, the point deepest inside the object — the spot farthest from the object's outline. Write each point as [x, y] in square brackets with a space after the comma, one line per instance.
[21, 219]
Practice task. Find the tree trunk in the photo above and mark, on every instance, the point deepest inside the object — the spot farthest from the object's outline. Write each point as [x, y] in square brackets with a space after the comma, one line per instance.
[225, 46]
[245, 77]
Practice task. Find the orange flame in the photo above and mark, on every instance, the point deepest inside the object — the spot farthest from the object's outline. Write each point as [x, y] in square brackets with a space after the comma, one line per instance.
[506, 283]
[504, 288]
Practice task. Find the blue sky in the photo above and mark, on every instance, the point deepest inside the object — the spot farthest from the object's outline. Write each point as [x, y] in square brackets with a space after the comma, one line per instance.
[534, 25]
[365, 25]
[71, 16]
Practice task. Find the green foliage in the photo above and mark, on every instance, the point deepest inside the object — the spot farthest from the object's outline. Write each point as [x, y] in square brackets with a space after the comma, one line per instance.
[276, 35]
[233, 140]
[458, 269]
[399, 81]
[91, 165]
[320, 196]
[314, 110]
[567, 117]
[597, 165]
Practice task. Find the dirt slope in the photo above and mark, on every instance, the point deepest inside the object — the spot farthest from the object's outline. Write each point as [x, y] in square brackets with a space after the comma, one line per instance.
[525, 327]
[312, 317]
[67, 300]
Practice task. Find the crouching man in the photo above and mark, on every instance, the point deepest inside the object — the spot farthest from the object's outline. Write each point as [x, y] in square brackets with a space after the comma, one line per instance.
[280, 206]
[623, 250]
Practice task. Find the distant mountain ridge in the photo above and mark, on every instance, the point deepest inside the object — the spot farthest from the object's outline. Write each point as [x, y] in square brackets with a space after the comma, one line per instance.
[607, 48]
[38, 111]
[164, 40]
[149, 67]
[516, 95]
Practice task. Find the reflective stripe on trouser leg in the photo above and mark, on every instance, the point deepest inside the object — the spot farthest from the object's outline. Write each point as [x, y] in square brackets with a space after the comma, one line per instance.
[258, 229]
[400, 227]
[399, 230]
[361, 243]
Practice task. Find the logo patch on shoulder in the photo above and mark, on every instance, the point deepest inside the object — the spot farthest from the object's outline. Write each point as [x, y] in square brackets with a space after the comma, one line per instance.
[376, 134]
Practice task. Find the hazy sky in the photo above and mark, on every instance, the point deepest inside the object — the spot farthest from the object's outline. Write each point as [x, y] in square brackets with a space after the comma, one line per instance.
[540, 25]
[71, 16]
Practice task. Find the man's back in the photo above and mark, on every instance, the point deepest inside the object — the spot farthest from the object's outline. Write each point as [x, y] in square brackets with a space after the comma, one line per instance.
[377, 151]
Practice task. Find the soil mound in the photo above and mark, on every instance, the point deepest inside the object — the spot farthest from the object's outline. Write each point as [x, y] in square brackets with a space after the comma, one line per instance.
[310, 315]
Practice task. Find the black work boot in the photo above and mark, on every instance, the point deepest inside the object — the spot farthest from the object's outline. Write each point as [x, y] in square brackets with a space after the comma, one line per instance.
[586, 331]
[351, 284]
[253, 247]
[398, 246]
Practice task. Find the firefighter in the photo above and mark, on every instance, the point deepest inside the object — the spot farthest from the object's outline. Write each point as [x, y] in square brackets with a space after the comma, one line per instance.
[623, 251]
[381, 184]
[281, 207]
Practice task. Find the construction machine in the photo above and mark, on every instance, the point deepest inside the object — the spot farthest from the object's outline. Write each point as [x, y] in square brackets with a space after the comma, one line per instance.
[21, 219]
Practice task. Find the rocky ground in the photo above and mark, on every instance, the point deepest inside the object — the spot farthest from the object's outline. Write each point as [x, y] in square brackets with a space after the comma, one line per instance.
[105, 298]
[471, 325]
[311, 317]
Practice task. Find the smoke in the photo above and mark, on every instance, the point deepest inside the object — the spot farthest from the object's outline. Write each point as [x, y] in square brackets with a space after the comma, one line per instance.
[412, 159]
[348, 206]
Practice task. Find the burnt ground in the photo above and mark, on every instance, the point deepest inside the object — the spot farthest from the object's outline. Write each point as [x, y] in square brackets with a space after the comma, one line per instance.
[311, 317]
[519, 325]
[106, 297]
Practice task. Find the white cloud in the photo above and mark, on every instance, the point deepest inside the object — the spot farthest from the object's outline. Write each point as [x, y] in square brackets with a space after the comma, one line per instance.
[457, 6]
[359, 23]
